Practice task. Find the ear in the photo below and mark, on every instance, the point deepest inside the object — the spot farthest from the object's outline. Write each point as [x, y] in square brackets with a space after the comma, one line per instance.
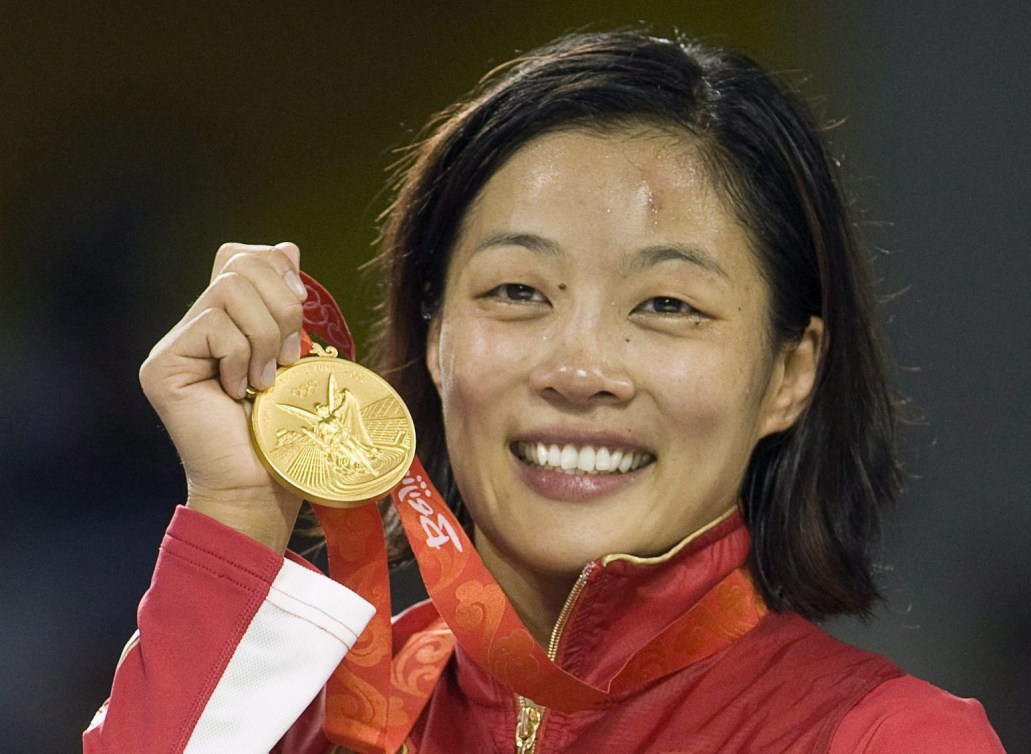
[433, 351]
[792, 380]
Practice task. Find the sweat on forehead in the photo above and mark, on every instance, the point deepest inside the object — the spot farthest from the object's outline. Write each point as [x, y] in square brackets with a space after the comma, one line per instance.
[639, 191]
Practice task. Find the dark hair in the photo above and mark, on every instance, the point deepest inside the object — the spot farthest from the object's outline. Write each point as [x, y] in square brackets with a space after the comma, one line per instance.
[813, 494]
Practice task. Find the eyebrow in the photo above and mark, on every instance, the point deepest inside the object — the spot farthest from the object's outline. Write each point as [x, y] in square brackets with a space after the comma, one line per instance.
[632, 262]
[653, 255]
[529, 241]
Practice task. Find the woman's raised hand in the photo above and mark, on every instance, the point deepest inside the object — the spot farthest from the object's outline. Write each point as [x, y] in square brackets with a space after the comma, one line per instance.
[245, 322]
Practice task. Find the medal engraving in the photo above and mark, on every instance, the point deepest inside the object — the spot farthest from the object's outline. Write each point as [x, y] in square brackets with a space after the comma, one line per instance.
[333, 431]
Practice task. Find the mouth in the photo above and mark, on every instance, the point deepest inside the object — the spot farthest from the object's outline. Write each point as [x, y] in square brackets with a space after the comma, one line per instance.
[581, 459]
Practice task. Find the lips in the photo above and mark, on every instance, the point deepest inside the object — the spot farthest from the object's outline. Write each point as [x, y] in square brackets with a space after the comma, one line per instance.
[576, 459]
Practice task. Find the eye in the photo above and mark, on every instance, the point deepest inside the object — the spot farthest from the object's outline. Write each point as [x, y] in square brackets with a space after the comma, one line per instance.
[517, 292]
[670, 306]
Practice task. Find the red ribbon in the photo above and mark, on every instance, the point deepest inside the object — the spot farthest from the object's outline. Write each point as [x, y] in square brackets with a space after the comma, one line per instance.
[378, 692]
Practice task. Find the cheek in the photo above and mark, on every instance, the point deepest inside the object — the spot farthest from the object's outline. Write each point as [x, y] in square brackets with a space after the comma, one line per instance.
[479, 370]
[707, 389]
[480, 393]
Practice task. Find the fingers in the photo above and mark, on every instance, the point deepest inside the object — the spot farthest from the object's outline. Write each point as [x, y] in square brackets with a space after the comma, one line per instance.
[259, 292]
[285, 256]
[232, 350]
[215, 338]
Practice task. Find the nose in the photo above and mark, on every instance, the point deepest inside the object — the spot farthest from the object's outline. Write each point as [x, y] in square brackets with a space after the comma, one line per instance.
[579, 365]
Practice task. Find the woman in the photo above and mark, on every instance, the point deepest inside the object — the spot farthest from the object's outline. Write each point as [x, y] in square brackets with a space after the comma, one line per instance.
[626, 308]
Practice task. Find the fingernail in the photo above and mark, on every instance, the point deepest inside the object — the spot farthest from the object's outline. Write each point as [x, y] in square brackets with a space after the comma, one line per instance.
[290, 351]
[268, 374]
[293, 280]
[243, 388]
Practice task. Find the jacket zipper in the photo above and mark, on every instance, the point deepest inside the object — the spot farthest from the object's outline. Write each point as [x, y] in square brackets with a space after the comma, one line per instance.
[526, 725]
[531, 714]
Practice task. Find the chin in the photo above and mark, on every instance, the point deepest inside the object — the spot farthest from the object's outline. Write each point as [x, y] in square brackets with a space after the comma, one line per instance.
[556, 555]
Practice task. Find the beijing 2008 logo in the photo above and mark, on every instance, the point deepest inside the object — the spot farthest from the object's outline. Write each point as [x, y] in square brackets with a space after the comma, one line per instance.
[438, 530]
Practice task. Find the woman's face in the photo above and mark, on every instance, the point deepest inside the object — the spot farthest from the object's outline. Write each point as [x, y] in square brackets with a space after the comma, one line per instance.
[602, 353]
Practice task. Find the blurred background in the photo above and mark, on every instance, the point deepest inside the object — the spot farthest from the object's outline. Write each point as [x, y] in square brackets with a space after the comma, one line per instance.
[137, 137]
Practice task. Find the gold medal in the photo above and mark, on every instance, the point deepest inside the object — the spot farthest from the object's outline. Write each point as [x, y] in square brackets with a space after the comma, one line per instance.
[333, 431]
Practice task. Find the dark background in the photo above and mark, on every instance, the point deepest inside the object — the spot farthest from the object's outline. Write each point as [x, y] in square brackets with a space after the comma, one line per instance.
[136, 140]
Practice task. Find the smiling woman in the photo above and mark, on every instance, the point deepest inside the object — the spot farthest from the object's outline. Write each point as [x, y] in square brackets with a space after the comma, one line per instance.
[626, 308]
[741, 165]
[652, 354]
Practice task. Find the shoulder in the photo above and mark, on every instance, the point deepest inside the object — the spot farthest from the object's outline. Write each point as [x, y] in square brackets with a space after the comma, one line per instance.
[906, 714]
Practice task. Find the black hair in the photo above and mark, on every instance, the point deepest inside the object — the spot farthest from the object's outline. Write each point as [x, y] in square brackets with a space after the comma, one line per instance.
[813, 494]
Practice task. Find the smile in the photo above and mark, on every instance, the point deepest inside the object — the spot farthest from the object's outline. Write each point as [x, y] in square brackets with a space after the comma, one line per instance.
[582, 459]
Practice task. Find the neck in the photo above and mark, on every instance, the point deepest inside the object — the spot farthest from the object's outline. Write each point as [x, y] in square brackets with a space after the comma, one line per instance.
[538, 598]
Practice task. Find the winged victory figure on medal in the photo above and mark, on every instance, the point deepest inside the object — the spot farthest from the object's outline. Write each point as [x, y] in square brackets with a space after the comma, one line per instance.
[341, 444]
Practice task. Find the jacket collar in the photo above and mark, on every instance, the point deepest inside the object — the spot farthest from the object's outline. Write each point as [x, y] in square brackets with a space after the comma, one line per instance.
[628, 600]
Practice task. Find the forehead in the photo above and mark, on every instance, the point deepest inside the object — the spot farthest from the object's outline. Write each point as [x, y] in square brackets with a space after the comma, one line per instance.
[596, 160]
[624, 188]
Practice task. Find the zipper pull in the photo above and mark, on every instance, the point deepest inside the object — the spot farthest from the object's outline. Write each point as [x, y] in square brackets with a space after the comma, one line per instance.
[526, 726]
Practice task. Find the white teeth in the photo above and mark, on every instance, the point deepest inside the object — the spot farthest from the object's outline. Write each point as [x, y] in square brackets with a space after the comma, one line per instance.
[554, 456]
[614, 459]
[584, 460]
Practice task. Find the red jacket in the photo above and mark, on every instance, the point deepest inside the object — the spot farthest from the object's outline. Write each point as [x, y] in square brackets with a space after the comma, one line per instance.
[235, 643]
[783, 686]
